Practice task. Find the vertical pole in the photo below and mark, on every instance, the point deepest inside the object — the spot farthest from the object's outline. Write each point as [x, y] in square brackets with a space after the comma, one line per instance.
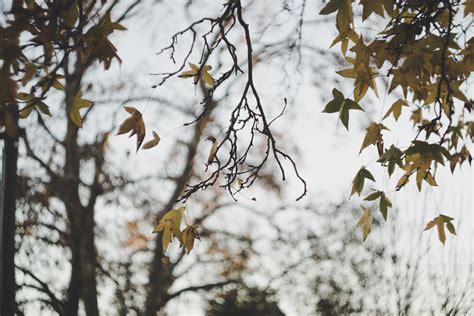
[8, 205]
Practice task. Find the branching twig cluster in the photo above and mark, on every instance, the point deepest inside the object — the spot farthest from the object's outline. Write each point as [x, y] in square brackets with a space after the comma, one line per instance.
[248, 114]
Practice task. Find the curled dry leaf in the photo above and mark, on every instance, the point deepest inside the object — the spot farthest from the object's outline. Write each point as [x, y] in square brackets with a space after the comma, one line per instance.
[134, 124]
[213, 150]
[153, 142]
[189, 234]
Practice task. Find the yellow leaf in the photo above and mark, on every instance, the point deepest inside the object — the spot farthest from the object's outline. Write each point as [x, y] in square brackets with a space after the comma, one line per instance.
[152, 143]
[199, 73]
[134, 124]
[189, 234]
[396, 109]
[365, 222]
[77, 104]
[169, 225]
[373, 135]
[440, 223]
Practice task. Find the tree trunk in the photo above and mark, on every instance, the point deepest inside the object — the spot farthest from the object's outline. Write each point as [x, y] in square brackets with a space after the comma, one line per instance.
[83, 283]
[161, 276]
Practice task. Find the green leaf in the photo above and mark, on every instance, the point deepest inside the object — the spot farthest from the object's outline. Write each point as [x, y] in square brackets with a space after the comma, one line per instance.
[393, 156]
[359, 179]
[384, 202]
[341, 105]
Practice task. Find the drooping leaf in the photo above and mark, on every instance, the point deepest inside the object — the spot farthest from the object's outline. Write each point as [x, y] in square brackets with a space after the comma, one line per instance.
[77, 104]
[341, 105]
[440, 222]
[359, 179]
[190, 233]
[373, 135]
[212, 150]
[170, 226]
[365, 222]
[384, 202]
[153, 142]
[134, 124]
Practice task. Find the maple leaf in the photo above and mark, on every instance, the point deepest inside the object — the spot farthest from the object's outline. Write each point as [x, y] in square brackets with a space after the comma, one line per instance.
[153, 142]
[373, 135]
[77, 104]
[440, 222]
[395, 109]
[341, 105]
[190, 233]
[370, 6]
[392, 156]
[365, 222]
[199, 73]
[359, 179]
[134, 124]
[384, 202]
[169, 225]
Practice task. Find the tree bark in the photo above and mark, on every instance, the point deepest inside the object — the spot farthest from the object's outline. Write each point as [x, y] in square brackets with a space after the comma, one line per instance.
[161, 276]
[83, 283]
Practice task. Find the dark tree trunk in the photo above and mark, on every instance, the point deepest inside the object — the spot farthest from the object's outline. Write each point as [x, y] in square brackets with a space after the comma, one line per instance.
[83, 283]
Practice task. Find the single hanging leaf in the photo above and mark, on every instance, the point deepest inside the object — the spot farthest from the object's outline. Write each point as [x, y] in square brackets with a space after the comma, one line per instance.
[359, 179]
[365, 222]
[373, 135]
[199, 73]
[170, 226]
[189, 234]
[384, 202]
[341, 105]
[134, 124]
[77, 104]
[213, 150]
[440, 222]
[152, 143]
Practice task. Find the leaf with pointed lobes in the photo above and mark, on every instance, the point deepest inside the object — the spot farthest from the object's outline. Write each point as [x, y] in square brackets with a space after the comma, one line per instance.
[365, 222]
[134, 124]
[169, 225]
[440, 223]
[213, 150]
[341, 105]
[190, 233]
[395, 109]
[384, 202]
[393, 156]
[77, 104]
[199, 73]
[373, 135]
[359, 179]
[152, 143]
